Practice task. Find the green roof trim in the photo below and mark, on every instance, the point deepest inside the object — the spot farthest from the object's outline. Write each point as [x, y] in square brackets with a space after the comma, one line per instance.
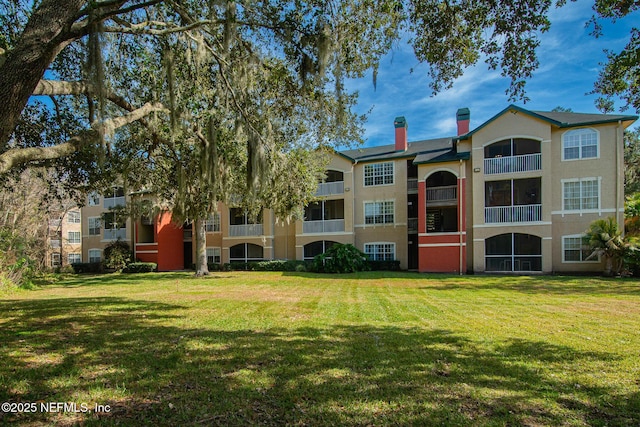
[444, 158]
[559, 119]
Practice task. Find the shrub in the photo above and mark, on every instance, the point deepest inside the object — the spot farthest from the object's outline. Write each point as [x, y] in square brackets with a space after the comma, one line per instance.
[269, 265]
[87, 267]
[384, 265]
[140, 267]
[341, 258]
[117, 255]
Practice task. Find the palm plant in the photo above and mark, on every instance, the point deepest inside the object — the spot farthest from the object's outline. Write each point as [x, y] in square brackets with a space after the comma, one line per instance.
[604, 237]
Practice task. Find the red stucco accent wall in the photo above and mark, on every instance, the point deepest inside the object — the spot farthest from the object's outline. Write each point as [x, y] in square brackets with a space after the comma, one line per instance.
[440, 253]
[170, 240]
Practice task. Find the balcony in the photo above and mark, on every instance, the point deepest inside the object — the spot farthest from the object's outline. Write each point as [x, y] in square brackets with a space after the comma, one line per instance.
[241, 230]
[508, 214]
[444, 195]
[112, 202]
[412, 225]
[326, 226]
[330, 188]
[513, 164]
[115, 234]
[412, 185]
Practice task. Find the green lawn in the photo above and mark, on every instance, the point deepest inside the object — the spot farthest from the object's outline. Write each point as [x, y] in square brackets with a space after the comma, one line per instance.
[302, 349]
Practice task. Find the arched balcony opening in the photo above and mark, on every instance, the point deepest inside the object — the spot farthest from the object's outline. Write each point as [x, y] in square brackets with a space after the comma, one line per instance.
[511, 252]
[442, 202]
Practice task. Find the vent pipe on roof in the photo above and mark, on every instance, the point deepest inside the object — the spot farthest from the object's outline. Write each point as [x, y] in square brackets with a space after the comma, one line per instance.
[401, 126]
[462, 118]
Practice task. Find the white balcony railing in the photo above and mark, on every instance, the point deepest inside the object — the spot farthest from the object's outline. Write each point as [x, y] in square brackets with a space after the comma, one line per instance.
[245, 230]
[112, 202]
[442, 194]
[115, 234]
[326, 226]
[330, 188]
[505, 214]
[511, 164]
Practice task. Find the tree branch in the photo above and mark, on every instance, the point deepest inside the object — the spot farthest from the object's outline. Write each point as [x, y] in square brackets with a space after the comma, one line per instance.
[18, 156]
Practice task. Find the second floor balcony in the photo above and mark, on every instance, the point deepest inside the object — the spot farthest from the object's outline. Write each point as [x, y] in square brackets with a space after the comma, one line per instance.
[240, 230]
[323, 226]
[508, 214]
[115, 233]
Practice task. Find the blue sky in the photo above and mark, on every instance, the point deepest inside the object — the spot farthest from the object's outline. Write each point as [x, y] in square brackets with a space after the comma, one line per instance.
[569, 63]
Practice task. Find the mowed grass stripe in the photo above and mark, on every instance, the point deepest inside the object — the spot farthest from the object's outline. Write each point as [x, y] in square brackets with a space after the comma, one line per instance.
[244, 348]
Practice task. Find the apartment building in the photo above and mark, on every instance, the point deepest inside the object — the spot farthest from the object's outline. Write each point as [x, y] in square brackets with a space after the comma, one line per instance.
[64, 238]
[514, 194]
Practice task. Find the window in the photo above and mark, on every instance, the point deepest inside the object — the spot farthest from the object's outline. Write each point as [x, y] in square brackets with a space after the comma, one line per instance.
[378, 174]
[74, 258]
[580, 144]
[379, 212]
[74, 237]
[380, 251]
[213, 223]
[245, 252]
[55, 259]
[95, 255]
[574, 249]
[316, 248]
[582, 194]
[513, 252]
[213, 256]
[73, 217]
[94, 199]
[94, 226]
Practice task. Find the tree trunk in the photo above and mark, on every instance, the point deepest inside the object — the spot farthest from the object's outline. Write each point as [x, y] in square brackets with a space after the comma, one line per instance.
[45, 35]
[202, 269]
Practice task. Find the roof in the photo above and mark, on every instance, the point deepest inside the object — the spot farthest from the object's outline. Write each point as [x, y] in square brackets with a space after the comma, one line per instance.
[389, 152]
[559, 119]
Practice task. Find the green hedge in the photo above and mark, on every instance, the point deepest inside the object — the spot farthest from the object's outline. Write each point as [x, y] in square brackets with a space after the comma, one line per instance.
[384, 265]
[273, 265]
[87, 267]
[140, 267]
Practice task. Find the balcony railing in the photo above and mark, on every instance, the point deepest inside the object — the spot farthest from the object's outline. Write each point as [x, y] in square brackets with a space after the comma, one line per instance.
[412, 225]
[112, 202]
[448, 193]
[115, 234]
[330, 188]
[412, 185]
[245, 230]
[521, 213]
[326, 226]
[511, 164]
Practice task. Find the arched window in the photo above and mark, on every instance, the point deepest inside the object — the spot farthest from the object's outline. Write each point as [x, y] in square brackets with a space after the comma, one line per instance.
[316, 248]
[245, 252]
[580, 144]
[513, 252]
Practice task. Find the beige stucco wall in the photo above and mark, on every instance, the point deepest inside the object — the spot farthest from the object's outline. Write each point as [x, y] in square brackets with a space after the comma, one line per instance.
[555, 222]
[338, 163]
[509, 125]
[378, 233]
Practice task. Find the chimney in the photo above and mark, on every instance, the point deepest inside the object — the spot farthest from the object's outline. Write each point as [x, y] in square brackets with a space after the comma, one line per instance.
[462, 118]
[401, 126]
